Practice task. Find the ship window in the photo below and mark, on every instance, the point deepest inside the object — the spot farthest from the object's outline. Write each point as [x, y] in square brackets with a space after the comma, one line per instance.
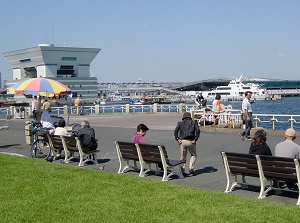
[246, 88]
[224, 88]
[25, 60]
[69, 58]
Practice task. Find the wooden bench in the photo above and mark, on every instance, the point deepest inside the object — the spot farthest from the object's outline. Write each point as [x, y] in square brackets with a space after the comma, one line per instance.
[266, 168]
[127, 152]
[277, 168]
[56, 145]
[157, 154]
[72, 145]
[238, 164]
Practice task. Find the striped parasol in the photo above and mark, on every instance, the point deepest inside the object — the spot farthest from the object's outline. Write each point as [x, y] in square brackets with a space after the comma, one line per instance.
[39, 86]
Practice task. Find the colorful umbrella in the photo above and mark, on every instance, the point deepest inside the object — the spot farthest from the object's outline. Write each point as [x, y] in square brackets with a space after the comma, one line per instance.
[39, 86]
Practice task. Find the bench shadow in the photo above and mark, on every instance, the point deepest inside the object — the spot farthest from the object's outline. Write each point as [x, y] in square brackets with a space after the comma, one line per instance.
[9, 145]
[207, 169]
[103, 160]
[284, 193]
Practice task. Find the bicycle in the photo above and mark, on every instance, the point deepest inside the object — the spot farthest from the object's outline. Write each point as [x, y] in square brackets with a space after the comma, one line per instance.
[40, 147]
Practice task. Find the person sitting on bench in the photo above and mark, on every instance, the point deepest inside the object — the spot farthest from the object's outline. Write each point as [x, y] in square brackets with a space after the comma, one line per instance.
[86, 135]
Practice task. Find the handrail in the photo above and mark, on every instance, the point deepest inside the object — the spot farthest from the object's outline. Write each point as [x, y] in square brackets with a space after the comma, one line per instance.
[230, 116]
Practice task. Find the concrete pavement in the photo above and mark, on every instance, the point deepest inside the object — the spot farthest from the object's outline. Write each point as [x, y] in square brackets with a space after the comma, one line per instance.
[111, 127]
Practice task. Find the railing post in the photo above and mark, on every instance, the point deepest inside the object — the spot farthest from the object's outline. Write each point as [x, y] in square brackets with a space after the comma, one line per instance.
[273, 122]
[127, 108]
[180, 108]
[97, 109]
[256, 122]
[65, 109]
[155, 108]
[12, 111]
[292, 122]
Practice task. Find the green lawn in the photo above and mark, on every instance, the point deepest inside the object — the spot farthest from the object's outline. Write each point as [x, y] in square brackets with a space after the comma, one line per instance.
[33, 190]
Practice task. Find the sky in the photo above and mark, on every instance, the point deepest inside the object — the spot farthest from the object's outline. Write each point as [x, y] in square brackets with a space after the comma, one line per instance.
[162, 40]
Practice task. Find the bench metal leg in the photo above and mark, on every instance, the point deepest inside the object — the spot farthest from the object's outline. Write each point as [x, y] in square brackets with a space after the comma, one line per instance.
[142, 172]
[263, 192]
[123, 168]
[298, 202]
[166, 176]
[81, 163]
[244, 185]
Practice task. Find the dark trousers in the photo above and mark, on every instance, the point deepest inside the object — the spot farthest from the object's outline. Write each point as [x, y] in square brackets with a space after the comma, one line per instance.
[246, 131]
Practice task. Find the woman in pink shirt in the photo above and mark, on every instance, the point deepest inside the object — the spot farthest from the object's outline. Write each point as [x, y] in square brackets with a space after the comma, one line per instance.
[140, 133]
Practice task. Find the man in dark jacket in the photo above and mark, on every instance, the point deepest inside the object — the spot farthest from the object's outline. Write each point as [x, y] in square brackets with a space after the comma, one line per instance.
[186, 133]
[86, 136]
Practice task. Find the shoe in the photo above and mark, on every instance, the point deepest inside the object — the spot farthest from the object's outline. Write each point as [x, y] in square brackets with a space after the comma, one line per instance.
[193, 172]
[241, 135]
[185, 174]
[248, 138]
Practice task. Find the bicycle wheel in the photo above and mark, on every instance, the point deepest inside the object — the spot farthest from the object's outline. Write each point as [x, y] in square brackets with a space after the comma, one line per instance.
[34, 148]
[40, 149]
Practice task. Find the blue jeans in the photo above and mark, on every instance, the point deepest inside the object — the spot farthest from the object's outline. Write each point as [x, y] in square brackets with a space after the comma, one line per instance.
[246, 131]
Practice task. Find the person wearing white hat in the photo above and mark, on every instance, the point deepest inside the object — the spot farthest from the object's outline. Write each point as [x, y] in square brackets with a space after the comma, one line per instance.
[288, 148]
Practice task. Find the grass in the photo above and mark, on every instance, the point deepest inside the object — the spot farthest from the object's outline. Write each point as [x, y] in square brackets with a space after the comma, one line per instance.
[33, 190]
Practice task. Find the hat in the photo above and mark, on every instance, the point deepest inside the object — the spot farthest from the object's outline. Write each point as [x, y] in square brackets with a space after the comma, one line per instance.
[186, 115]
[290, 132]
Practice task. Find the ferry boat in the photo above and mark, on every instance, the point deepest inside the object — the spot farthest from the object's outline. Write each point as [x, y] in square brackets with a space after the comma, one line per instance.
[235, 91]
[116, 98]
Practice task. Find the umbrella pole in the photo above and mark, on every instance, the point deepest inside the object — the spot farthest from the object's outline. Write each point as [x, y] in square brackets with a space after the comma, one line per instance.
[39, 110]
[69, 110]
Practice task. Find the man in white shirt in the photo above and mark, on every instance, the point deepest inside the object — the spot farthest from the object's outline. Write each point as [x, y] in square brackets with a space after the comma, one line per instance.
[247, 116]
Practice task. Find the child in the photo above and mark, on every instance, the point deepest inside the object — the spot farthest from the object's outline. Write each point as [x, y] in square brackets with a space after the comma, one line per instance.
[140, 133]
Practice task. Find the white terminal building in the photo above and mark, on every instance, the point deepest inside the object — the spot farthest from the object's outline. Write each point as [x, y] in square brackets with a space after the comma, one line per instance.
[69, 65]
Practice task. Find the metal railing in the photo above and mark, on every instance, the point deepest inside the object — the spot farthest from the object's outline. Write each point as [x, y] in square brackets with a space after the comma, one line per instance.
[230, 116]
[290, 121]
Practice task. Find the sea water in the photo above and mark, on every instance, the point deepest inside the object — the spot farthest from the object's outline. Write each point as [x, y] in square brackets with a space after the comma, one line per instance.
[286, 106]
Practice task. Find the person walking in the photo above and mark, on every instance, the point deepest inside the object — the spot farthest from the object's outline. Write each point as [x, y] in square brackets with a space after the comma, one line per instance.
[77, 104]
[247, 116]
[35, 107]
[46, 105]
[187, 133]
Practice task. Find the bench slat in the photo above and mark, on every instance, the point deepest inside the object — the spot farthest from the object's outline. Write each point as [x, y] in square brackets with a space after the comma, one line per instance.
[279, 169]
[251, 159]
[280, 176]
[244, 170]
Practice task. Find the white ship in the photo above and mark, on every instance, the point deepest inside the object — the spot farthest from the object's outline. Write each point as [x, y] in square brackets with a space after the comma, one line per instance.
[235, 91]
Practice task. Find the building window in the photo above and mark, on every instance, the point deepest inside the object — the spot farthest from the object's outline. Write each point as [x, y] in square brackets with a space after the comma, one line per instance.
[69, 58]
[66, 67]
[25, 60]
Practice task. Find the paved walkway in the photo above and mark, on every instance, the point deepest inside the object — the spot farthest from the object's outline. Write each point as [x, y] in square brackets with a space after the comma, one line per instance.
[111, 127]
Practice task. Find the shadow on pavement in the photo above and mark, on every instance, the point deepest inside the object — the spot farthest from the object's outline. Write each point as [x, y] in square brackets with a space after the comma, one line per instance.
[207, 169]
[103, 160]
[9, 145]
